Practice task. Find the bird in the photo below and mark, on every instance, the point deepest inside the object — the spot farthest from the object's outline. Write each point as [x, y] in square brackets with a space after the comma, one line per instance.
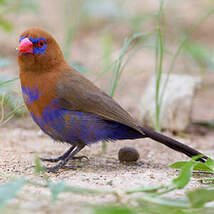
[70, 108]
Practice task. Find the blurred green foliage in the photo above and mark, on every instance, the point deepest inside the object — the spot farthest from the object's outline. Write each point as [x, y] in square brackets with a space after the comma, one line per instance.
[105, 10]
[79, 67]
[113, 210]
[72, 19]
[8, 7]
[207, 124]
[9, 190]
[201, 54]
[107, 49]
[11, 103]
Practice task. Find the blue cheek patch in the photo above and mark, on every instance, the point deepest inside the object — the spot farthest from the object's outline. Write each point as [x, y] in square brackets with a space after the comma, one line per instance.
[30, 94]
[38, 50]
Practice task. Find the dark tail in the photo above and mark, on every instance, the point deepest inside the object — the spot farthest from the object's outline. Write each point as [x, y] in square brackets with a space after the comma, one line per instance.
[173, 144]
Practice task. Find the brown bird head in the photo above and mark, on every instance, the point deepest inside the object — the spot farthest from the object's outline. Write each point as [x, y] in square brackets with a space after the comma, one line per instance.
[38, 51]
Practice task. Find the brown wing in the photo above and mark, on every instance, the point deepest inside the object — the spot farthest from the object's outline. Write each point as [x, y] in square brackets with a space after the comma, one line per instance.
[79, 94]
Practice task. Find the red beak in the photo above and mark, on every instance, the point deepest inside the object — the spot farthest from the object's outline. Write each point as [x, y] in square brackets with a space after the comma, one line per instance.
[25, 46]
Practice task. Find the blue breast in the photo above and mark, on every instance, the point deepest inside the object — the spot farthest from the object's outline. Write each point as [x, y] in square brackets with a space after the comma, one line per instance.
[30, 94]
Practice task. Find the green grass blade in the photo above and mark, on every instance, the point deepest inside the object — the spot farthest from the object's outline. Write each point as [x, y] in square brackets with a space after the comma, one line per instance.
[185, 175]
[150, 189]
[159, 51]
[168, 202]
[118, 65]
[3, 83]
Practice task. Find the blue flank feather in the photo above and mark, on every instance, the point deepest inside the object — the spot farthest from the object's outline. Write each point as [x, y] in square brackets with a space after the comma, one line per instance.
[74, 126]
[84, 127]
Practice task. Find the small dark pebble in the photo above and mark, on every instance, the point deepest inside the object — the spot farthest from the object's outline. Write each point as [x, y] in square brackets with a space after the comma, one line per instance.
[128, 154]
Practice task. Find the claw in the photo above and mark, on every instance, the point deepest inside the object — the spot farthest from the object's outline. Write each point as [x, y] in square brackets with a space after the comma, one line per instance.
[80, 157]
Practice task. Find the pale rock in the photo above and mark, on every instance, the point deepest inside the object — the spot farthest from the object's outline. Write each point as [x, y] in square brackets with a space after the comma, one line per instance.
[175, 111]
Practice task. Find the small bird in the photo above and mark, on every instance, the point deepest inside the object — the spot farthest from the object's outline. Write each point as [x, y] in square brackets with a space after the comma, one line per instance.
[70, 108]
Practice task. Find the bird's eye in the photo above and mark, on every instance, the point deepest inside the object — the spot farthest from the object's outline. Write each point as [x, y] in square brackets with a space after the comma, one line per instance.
[41, 43]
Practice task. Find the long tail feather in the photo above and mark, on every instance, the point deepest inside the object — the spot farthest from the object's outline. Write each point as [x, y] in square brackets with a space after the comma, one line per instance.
[173, 144]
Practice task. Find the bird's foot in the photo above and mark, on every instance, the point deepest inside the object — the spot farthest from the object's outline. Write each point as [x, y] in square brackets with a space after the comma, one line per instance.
[64, 159]
[57, 167]
[53, 160]
[60, 165]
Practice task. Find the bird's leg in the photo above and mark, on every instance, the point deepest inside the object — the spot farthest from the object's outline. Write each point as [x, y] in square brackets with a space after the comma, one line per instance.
[64, 161]
[62, 157]
[65, 155]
